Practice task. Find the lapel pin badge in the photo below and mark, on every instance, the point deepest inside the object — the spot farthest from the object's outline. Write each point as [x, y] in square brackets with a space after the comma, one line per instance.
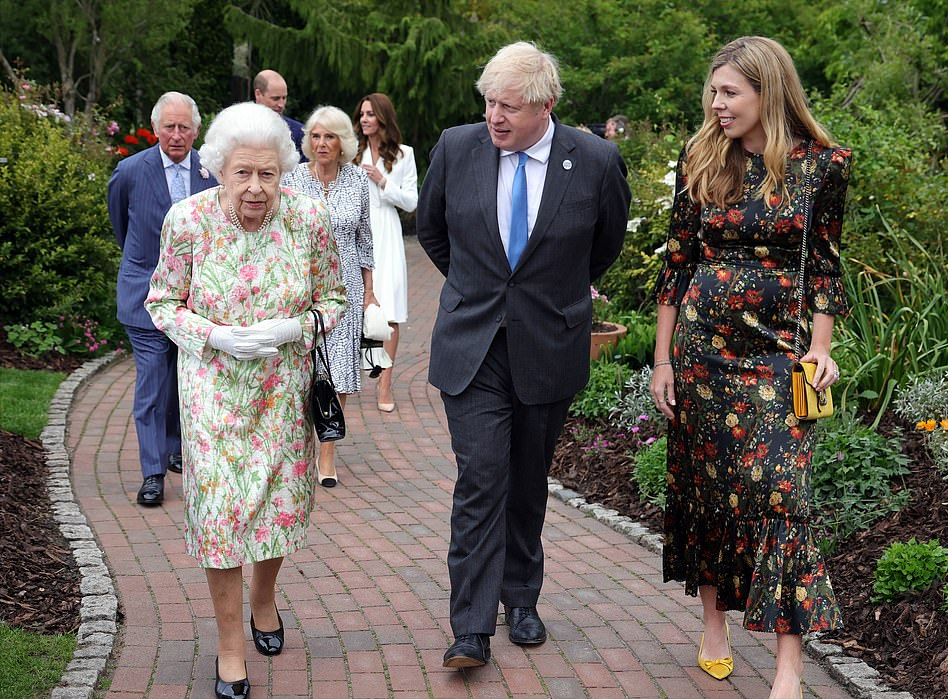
[567, 164]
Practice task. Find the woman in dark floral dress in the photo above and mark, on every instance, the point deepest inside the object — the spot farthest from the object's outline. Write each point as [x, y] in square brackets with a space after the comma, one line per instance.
[737, 522]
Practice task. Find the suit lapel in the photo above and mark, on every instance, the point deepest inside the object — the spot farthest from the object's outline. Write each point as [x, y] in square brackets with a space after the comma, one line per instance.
[155, 174]
[559, 170]
[485, 159]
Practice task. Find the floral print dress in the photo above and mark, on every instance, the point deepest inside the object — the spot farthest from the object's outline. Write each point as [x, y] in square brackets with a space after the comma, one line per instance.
[739, 462]
[248, 449]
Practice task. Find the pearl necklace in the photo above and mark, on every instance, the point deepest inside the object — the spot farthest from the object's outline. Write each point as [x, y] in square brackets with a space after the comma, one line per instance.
[232, 213]
[328, 185]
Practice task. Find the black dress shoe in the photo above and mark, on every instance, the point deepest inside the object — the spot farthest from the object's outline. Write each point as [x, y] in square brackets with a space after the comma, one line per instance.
[267, 642]
[468, 650]
[526, 627]
[152, 491]
[174, 463]
[230, 690]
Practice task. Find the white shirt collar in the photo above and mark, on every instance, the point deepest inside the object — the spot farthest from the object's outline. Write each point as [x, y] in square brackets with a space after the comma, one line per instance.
[540, 150]
[167, 162]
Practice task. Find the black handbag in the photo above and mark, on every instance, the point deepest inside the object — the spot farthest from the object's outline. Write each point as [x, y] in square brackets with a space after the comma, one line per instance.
[324, 407]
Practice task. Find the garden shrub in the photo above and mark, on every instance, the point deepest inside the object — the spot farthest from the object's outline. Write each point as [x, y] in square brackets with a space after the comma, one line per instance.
[854, 469]
[601, 393]
[57, 252]
[635, 349]
[910, 567]
[923, 401]
[635, 401]
[650, 472]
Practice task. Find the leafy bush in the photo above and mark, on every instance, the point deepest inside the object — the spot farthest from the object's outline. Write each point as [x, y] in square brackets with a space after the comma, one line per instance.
[924, 400]
[650, 472]
[57, 252]
[635, 401]
[601, 393]
[853, 472]
[635, 349]
[72, 334]
[898, 326]
[906, 568]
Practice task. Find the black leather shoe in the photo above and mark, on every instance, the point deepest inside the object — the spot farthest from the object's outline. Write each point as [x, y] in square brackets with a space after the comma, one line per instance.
[267, 642]
[174, 463]
[152, 491]
[468, 650]
[526, 627]
[230, 690]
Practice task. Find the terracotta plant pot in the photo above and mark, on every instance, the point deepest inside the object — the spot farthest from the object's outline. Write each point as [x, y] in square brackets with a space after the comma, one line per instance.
[606, 338]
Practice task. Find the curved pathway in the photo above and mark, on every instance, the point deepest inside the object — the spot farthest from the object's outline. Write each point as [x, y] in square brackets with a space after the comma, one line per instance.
[366, 604]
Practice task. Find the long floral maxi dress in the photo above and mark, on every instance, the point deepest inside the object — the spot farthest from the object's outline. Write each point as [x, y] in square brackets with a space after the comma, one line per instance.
[248, 449]
[739, 462]
[348, 203]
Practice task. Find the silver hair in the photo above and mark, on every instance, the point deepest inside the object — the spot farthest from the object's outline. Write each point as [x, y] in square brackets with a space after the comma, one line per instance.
[531, 73]
[339, 123]
[175, 97]
[247, 124]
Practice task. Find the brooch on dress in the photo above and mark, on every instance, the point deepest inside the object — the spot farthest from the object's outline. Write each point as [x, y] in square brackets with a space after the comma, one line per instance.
[204, 173]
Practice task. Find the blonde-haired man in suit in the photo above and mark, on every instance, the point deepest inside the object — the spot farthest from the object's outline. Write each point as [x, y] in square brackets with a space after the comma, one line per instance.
[520, 213]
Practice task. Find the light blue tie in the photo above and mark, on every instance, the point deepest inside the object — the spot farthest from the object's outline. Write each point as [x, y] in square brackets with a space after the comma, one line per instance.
[518, 212]
[178, 192]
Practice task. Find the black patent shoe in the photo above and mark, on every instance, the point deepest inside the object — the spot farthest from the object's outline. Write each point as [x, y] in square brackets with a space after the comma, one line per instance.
[174, 463]
[468, 650]
[152, 491]
[526, 627]
[230, 690]
[267, 642]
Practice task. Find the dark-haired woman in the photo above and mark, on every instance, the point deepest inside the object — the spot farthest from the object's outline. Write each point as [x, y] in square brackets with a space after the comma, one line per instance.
[393, 182]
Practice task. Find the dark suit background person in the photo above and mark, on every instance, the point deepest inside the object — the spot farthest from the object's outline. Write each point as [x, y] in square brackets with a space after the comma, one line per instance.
[269, 89]
[510, 347]
[141, 191]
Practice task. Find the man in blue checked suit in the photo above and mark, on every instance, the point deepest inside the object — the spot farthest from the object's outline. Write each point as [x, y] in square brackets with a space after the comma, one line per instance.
[519, 213]
[141, 190]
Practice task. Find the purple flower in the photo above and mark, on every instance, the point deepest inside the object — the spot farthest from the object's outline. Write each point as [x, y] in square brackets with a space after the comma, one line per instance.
[112, 128]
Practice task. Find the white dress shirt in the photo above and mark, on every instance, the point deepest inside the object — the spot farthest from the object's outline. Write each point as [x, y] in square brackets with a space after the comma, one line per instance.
[539, 156]
[169, 171]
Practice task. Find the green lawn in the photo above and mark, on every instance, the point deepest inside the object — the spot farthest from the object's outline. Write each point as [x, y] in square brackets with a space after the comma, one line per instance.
[31, 664]
[24, 400]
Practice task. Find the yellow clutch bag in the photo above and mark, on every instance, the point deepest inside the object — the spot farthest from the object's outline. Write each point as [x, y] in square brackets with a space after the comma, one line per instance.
[808, 403]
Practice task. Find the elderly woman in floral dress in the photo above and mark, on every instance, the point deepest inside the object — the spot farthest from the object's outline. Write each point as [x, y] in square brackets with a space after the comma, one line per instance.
[242, 266]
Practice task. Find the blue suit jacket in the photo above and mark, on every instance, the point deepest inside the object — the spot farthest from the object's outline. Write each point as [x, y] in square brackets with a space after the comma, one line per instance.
[296, 133]
[138, 202]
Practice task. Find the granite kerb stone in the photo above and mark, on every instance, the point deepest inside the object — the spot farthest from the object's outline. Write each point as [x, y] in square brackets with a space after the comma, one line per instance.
[99, 605]
[859, 679]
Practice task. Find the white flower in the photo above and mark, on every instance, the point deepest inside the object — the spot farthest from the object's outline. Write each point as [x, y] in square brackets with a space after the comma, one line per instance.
[634, 223]
[91, 176]
[204, 173]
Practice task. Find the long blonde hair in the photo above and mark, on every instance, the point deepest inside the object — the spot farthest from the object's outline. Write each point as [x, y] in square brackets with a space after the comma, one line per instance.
[715, 166]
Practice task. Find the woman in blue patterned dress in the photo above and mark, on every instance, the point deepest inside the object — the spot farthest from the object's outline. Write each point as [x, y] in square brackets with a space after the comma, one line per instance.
[737, 520]
[330, 144]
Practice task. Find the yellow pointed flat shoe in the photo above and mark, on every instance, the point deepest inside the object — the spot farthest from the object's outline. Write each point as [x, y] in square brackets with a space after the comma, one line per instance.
[719, 668]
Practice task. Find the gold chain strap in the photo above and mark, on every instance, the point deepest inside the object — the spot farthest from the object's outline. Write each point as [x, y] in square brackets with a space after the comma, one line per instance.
[809, 166]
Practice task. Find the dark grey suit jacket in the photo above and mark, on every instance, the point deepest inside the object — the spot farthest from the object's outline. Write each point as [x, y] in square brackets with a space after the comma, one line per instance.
[578, 233]
[138, 202]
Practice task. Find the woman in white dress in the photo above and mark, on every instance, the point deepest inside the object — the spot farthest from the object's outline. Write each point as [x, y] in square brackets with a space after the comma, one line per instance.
[330, 177]
[393, 182]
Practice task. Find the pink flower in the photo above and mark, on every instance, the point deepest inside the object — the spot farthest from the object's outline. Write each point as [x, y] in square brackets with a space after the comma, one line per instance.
[262, 534]
[248, 272]
[239, 293]
[299, 468]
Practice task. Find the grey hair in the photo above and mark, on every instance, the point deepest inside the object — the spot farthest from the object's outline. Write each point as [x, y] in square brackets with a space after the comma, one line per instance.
[339, 123]
[533, 74]
[175, 97]
[248, 124]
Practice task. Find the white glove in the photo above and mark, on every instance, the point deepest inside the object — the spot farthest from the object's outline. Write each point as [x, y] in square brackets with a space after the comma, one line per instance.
[282, 330]
[243, 345]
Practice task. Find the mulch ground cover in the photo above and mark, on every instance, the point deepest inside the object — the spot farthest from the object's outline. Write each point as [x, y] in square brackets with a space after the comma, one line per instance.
[906, 641]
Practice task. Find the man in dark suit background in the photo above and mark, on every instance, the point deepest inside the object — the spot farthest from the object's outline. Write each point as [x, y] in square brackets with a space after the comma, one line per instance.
[269, 89]
[520, 214]
[141, 190]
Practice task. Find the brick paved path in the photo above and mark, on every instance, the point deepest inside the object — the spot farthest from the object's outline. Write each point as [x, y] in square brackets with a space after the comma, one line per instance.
[366, 605]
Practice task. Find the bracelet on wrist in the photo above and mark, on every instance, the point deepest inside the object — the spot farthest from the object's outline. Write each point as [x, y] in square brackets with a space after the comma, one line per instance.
[661, 363]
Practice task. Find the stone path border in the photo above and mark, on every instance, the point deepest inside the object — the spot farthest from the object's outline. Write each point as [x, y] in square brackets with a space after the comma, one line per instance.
[99, 606]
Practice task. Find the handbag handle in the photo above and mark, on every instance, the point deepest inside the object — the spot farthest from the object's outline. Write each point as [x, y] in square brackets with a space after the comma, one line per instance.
[809, 165]
[317, 351]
